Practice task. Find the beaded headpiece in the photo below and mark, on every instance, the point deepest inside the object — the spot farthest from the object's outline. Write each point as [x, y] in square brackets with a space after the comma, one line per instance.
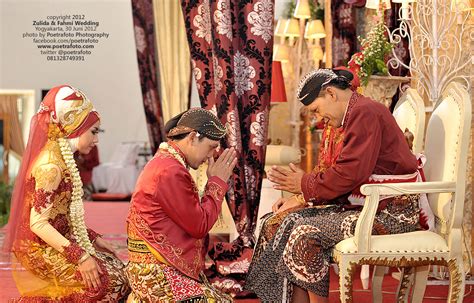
[312, 83]
[196, 119]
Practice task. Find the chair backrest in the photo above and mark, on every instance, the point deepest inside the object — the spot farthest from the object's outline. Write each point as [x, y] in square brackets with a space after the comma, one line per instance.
[410, 113]
[446, 147]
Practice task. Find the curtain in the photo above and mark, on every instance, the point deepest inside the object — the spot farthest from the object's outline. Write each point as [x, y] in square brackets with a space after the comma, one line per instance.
[344, 39]
[173, 56]
[231, 45]
[9, 105]
[146, 55]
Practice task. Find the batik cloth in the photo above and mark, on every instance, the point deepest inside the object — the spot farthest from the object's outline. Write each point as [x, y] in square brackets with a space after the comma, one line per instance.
[154, 281]
[296, 249]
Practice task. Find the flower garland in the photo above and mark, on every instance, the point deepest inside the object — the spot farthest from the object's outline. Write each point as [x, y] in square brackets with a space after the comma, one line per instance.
[371, 59]
[167, 147]
[77, 206]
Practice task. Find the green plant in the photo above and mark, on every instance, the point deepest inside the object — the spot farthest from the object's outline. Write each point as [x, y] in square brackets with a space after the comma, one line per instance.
[5, 200]
[375, 48]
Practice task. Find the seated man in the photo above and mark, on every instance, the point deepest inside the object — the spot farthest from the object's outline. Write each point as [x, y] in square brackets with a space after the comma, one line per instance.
[168, 224]
[361, 143]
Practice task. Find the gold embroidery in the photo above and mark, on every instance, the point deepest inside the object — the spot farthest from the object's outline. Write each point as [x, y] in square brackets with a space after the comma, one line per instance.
[138, 226]
[215, 191]
[148, 283]
[47, 177]
[59, 277]
[138, 246]
[455, 275]
[73, 116]
[61, 204]
[142, 258]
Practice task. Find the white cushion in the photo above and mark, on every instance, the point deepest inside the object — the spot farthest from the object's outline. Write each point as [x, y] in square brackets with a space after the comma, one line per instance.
[417, 241]
[114, 178]
[282, 155]
[125, 154]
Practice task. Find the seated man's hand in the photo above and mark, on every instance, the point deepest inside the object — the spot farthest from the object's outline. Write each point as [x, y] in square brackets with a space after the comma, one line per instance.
[286, 179]
[283, 204]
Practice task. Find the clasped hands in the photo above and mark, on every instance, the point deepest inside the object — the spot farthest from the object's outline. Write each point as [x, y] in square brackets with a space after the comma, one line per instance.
[223, 166]
[287, 180]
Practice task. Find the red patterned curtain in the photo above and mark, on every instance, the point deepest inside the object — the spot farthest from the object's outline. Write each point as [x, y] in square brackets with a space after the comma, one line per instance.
[231, 45]
[344, 39]
[143, 24]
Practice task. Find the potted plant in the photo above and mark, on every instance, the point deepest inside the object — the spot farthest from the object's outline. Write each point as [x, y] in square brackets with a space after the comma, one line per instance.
[370, 64]
[371, 60]
[5, 200]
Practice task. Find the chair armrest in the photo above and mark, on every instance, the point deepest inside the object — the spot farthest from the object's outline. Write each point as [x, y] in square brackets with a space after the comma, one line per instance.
[363, 231]
[409, 188]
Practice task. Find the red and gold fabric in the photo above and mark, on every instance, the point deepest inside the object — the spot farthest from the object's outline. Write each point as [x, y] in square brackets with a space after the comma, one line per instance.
[168, 224]
[163, 283]
[49, 251]
[46, 251]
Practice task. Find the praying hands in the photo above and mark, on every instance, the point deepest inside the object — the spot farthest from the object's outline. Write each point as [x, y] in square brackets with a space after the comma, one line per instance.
[286, 179]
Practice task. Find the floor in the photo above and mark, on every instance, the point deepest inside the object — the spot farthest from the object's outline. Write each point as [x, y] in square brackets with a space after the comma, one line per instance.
[108, 219]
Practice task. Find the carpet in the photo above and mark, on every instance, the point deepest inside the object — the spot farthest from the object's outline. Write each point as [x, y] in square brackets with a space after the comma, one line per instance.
[108, 218]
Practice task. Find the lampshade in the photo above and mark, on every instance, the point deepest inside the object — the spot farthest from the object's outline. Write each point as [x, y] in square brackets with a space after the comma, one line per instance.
[302, 10]
[314, 29]
[278, 93]
[280, 27]
[292, 28]
[405, 8]
[281, 53]
[461, 5]
[317, 53]
[375, 4]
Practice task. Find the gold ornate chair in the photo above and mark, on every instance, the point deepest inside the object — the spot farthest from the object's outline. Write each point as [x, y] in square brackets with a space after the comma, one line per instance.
[446, 147]
[409, 114]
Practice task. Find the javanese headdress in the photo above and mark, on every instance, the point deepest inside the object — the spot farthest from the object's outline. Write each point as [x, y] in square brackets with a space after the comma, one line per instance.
[312, 83]
[196, 119]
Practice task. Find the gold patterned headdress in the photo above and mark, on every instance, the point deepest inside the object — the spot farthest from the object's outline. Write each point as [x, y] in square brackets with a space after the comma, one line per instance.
[196, 119]
[68, 107]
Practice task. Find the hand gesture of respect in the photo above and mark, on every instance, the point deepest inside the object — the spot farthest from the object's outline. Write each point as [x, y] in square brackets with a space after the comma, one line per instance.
[286, 179]
[90, 273]
[223, 166]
